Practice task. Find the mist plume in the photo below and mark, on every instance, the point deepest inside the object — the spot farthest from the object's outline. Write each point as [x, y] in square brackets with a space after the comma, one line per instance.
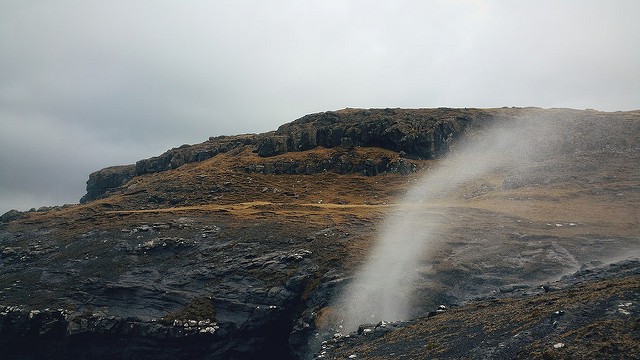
[382, 288]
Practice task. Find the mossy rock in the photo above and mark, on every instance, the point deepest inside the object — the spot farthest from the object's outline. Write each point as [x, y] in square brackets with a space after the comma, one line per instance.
[199, 308]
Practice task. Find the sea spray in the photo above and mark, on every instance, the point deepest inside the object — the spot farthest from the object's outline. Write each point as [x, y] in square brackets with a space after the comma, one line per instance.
[409, 270]
[382, 288]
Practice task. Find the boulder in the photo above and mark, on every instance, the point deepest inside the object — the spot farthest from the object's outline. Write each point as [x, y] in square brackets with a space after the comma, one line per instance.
[272, 145]
[11, 215]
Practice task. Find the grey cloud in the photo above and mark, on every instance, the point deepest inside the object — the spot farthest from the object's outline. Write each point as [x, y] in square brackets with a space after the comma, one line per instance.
[118, 81]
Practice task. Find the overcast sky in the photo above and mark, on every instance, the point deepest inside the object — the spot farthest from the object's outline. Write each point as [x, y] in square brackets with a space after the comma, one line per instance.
[88, 84]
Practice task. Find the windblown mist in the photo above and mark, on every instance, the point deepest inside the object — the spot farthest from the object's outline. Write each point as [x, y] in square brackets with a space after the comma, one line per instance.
[382, 288]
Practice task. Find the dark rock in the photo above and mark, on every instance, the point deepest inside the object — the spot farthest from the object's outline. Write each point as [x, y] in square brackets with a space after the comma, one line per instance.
[581, 318]
[212, 297]
[59, 334]
[418, 133]
[101, 181]
[342, 164]
[11, 215]
[272, 145]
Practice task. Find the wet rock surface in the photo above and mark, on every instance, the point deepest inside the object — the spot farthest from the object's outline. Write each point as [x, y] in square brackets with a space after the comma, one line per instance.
[134, 282]
[575, 317]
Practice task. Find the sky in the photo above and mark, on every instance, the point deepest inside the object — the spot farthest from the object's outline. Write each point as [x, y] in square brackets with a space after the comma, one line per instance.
[88, 84]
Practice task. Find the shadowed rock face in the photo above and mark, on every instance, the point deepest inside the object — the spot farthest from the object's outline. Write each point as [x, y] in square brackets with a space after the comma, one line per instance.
[421, 134]
[217, 251]
[101, 181]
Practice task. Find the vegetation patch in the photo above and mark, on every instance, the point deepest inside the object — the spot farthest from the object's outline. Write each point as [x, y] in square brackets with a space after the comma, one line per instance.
[199, 308]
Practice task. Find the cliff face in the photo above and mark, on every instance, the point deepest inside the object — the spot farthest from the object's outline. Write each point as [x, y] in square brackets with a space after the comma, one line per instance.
[415, 134]
[423, 134]
[101, 181]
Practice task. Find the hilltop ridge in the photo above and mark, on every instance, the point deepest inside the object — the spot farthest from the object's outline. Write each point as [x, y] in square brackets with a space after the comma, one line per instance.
[415, 134]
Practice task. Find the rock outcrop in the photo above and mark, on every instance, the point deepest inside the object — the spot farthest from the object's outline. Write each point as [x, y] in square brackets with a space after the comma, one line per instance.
[339, 163]
[108, 178]
[59, 334]
[422, 134]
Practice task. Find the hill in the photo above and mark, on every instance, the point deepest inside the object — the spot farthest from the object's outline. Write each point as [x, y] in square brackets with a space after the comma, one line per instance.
[241, 245]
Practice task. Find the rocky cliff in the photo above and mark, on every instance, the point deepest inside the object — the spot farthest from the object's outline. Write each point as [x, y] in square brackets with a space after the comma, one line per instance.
[415, 134]
[423, 134]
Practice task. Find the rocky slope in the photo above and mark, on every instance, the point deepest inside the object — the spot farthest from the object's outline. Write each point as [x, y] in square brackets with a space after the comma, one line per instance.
[237, 246]
[588, 315]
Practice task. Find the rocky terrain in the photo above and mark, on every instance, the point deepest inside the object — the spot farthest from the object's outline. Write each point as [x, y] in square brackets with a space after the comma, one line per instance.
[235, 248]
[587, 315]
